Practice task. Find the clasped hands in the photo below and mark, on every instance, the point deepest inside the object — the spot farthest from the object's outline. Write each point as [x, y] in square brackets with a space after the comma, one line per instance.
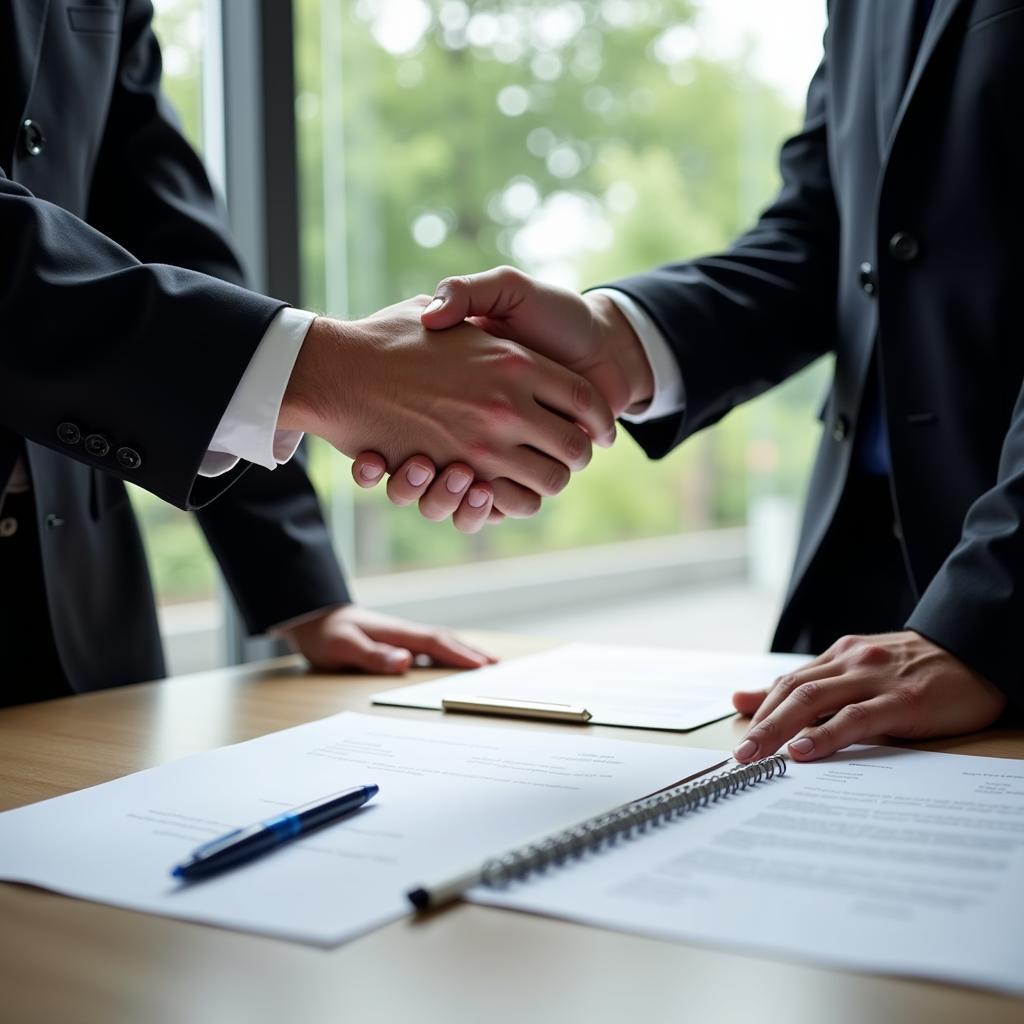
[506, 383]
[581, 345]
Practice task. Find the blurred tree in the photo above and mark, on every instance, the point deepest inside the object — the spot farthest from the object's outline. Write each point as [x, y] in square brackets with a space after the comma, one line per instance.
[467, 140]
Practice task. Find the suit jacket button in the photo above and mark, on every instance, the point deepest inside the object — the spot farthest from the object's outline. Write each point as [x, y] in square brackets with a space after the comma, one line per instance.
[98, 445]
[868, 279]
[32, 137]
[840, 428]
[8, 526]
[68, 433]
[128, 458]
[904, 247]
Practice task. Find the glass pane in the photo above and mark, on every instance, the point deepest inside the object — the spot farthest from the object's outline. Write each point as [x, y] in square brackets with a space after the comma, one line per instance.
[580, 141]
[179, 28]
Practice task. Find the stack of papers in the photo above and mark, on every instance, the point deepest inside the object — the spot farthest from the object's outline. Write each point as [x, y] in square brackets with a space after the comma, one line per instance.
[451, 795]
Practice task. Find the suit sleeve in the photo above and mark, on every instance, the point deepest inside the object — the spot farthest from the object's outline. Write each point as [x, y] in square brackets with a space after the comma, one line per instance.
[974, 605]
[741, 321]
[93, 337]
[104, 325]
[151, 192]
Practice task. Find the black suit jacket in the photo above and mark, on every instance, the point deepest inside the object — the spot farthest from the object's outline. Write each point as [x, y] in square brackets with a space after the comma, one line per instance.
[124, 330]
[898, 231]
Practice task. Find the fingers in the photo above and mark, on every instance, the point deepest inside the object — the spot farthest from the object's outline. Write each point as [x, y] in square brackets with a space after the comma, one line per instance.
[558, 437]
[855, 723]
[536, 472]
[575, 398]
[514, 500]
[803, 707]
[410, 481]
[746, 702]
[454, 493]
[446, 649]
[492, 294]
[439, 645]
[474, 509]
[895, 684]
[350, 647]
[445, 494]
[368, 468]
[785, 685]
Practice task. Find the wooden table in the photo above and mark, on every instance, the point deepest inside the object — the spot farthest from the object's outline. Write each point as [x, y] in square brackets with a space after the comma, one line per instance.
[64, 961]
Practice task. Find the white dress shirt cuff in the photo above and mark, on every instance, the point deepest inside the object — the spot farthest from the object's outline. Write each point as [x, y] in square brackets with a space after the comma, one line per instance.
[248, 428]
[669, 392]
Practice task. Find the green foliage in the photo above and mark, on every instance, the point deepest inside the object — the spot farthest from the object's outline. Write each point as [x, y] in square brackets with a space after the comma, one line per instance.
[179, 560]
[178, 24]
[424, 132]
[664, 218]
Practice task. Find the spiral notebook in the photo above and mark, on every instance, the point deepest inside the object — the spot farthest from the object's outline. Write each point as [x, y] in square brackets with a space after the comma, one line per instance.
[599, 832]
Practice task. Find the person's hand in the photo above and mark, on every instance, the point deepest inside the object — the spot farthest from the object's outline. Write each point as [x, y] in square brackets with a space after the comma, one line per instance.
[348, 637]
[890, 684]
[387, 384]
[585, 333]
[452, 492]
[588, 334]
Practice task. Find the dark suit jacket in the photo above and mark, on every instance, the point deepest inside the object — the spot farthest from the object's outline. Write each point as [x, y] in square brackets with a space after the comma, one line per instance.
[124, 330]
[898, 231]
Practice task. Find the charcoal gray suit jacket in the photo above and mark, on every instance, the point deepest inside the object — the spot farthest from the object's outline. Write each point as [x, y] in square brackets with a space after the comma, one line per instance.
[898, 233]
[124, 330]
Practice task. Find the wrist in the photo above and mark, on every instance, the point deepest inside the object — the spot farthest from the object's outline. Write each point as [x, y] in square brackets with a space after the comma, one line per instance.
[626, 378]
[311, 400]
[292, 628]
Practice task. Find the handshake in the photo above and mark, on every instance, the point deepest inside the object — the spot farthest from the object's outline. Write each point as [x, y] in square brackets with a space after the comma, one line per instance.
[503, 382]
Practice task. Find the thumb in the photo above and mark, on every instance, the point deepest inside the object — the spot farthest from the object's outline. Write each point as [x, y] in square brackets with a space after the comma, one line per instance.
[368, 469]
[494, 294]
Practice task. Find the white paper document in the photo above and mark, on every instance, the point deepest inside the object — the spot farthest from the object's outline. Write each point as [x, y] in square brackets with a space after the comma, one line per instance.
[642, 687]
[450, 794]
[895, 861]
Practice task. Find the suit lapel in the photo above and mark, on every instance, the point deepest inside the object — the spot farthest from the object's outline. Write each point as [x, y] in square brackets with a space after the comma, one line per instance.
[894, 23]
[939, 22]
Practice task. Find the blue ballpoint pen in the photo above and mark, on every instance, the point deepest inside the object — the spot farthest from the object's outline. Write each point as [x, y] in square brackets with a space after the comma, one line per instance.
[246, 843]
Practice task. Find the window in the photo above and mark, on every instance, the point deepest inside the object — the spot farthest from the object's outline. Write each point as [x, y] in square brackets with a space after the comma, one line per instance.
[580, 140]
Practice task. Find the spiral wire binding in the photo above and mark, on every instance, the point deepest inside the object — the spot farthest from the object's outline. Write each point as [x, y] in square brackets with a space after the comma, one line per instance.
[625, 822]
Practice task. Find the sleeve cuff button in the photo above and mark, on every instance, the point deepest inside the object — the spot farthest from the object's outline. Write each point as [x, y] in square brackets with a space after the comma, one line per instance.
[128, 458]
[68, 433]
